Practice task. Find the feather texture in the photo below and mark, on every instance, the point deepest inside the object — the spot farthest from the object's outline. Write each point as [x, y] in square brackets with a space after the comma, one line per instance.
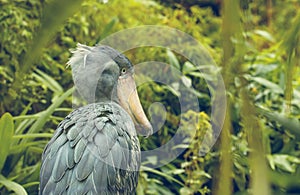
[92, 154]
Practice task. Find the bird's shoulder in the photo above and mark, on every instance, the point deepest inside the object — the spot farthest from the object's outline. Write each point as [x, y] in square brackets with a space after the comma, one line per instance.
[94, 140]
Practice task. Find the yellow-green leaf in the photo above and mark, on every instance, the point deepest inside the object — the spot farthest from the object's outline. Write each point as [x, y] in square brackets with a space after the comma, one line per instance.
[6, 134]
[11, 185]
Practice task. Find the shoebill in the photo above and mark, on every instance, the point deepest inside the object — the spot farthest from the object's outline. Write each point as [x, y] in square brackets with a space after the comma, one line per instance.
[95, 149]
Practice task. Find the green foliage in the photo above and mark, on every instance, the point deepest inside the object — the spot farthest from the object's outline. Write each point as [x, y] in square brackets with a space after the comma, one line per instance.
[22, 143]
[17, 188]
[195, 166]
[18, 21]
[6, 134]
[260, 60]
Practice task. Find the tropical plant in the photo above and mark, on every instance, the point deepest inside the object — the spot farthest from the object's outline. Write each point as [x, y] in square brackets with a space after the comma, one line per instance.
[256, 43]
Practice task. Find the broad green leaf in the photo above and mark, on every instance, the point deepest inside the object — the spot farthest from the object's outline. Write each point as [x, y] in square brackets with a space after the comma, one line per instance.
[268, 84]
[186, 191]
[48, 81]
[284, 162]
[265, 35]
[6, 134]
[177, 171]
[261, 69]
[271, 162]
[173, 59]
[186, 81]
[188, 67]
[291, 124]
[11, 185]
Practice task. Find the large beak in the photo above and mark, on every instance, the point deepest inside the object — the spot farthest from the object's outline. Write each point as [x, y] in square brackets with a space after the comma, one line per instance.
[130, 101]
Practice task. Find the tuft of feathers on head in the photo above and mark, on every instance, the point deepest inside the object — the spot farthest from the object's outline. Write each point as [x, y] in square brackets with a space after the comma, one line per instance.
[79, 54]
[89, 64]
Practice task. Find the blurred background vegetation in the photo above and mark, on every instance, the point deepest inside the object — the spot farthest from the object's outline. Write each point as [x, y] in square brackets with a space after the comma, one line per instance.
[256, 43]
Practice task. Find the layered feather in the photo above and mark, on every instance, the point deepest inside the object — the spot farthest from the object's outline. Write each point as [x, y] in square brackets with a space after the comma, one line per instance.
[92, 152]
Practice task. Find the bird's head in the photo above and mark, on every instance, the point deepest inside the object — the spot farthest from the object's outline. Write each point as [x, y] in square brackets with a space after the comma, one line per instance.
[102, 74]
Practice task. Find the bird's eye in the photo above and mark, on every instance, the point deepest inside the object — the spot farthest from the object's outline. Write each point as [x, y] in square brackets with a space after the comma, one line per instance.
[123, 70]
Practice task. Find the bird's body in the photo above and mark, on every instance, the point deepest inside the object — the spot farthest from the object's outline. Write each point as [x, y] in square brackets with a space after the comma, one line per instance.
[95, 149]
[92, 152]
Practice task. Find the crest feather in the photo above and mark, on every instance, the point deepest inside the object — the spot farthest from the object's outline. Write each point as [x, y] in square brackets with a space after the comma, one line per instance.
[79, 55]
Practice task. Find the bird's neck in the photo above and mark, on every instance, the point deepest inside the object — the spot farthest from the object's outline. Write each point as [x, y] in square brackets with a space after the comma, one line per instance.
[105, 96]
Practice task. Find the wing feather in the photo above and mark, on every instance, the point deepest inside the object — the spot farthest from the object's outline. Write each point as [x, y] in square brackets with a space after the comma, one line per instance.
[70, 158]
[89, 127]
[86, 165]
[100, 122]
[62, 185]
[61, 140]
[73, 132]
[60, 166]
[91, 153]
[102, 143]
[100, 183]
[79, 149]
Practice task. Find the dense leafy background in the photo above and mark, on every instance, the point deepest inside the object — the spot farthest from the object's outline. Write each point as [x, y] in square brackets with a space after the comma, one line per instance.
[256, 43]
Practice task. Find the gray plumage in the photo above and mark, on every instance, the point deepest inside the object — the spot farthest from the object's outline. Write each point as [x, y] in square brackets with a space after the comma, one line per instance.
[92, 156]
[95, 71]
[95, 149]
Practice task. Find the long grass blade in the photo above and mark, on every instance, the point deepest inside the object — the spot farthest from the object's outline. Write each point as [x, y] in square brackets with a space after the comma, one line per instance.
[11, 185]
[151, 170]
[40, 122]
